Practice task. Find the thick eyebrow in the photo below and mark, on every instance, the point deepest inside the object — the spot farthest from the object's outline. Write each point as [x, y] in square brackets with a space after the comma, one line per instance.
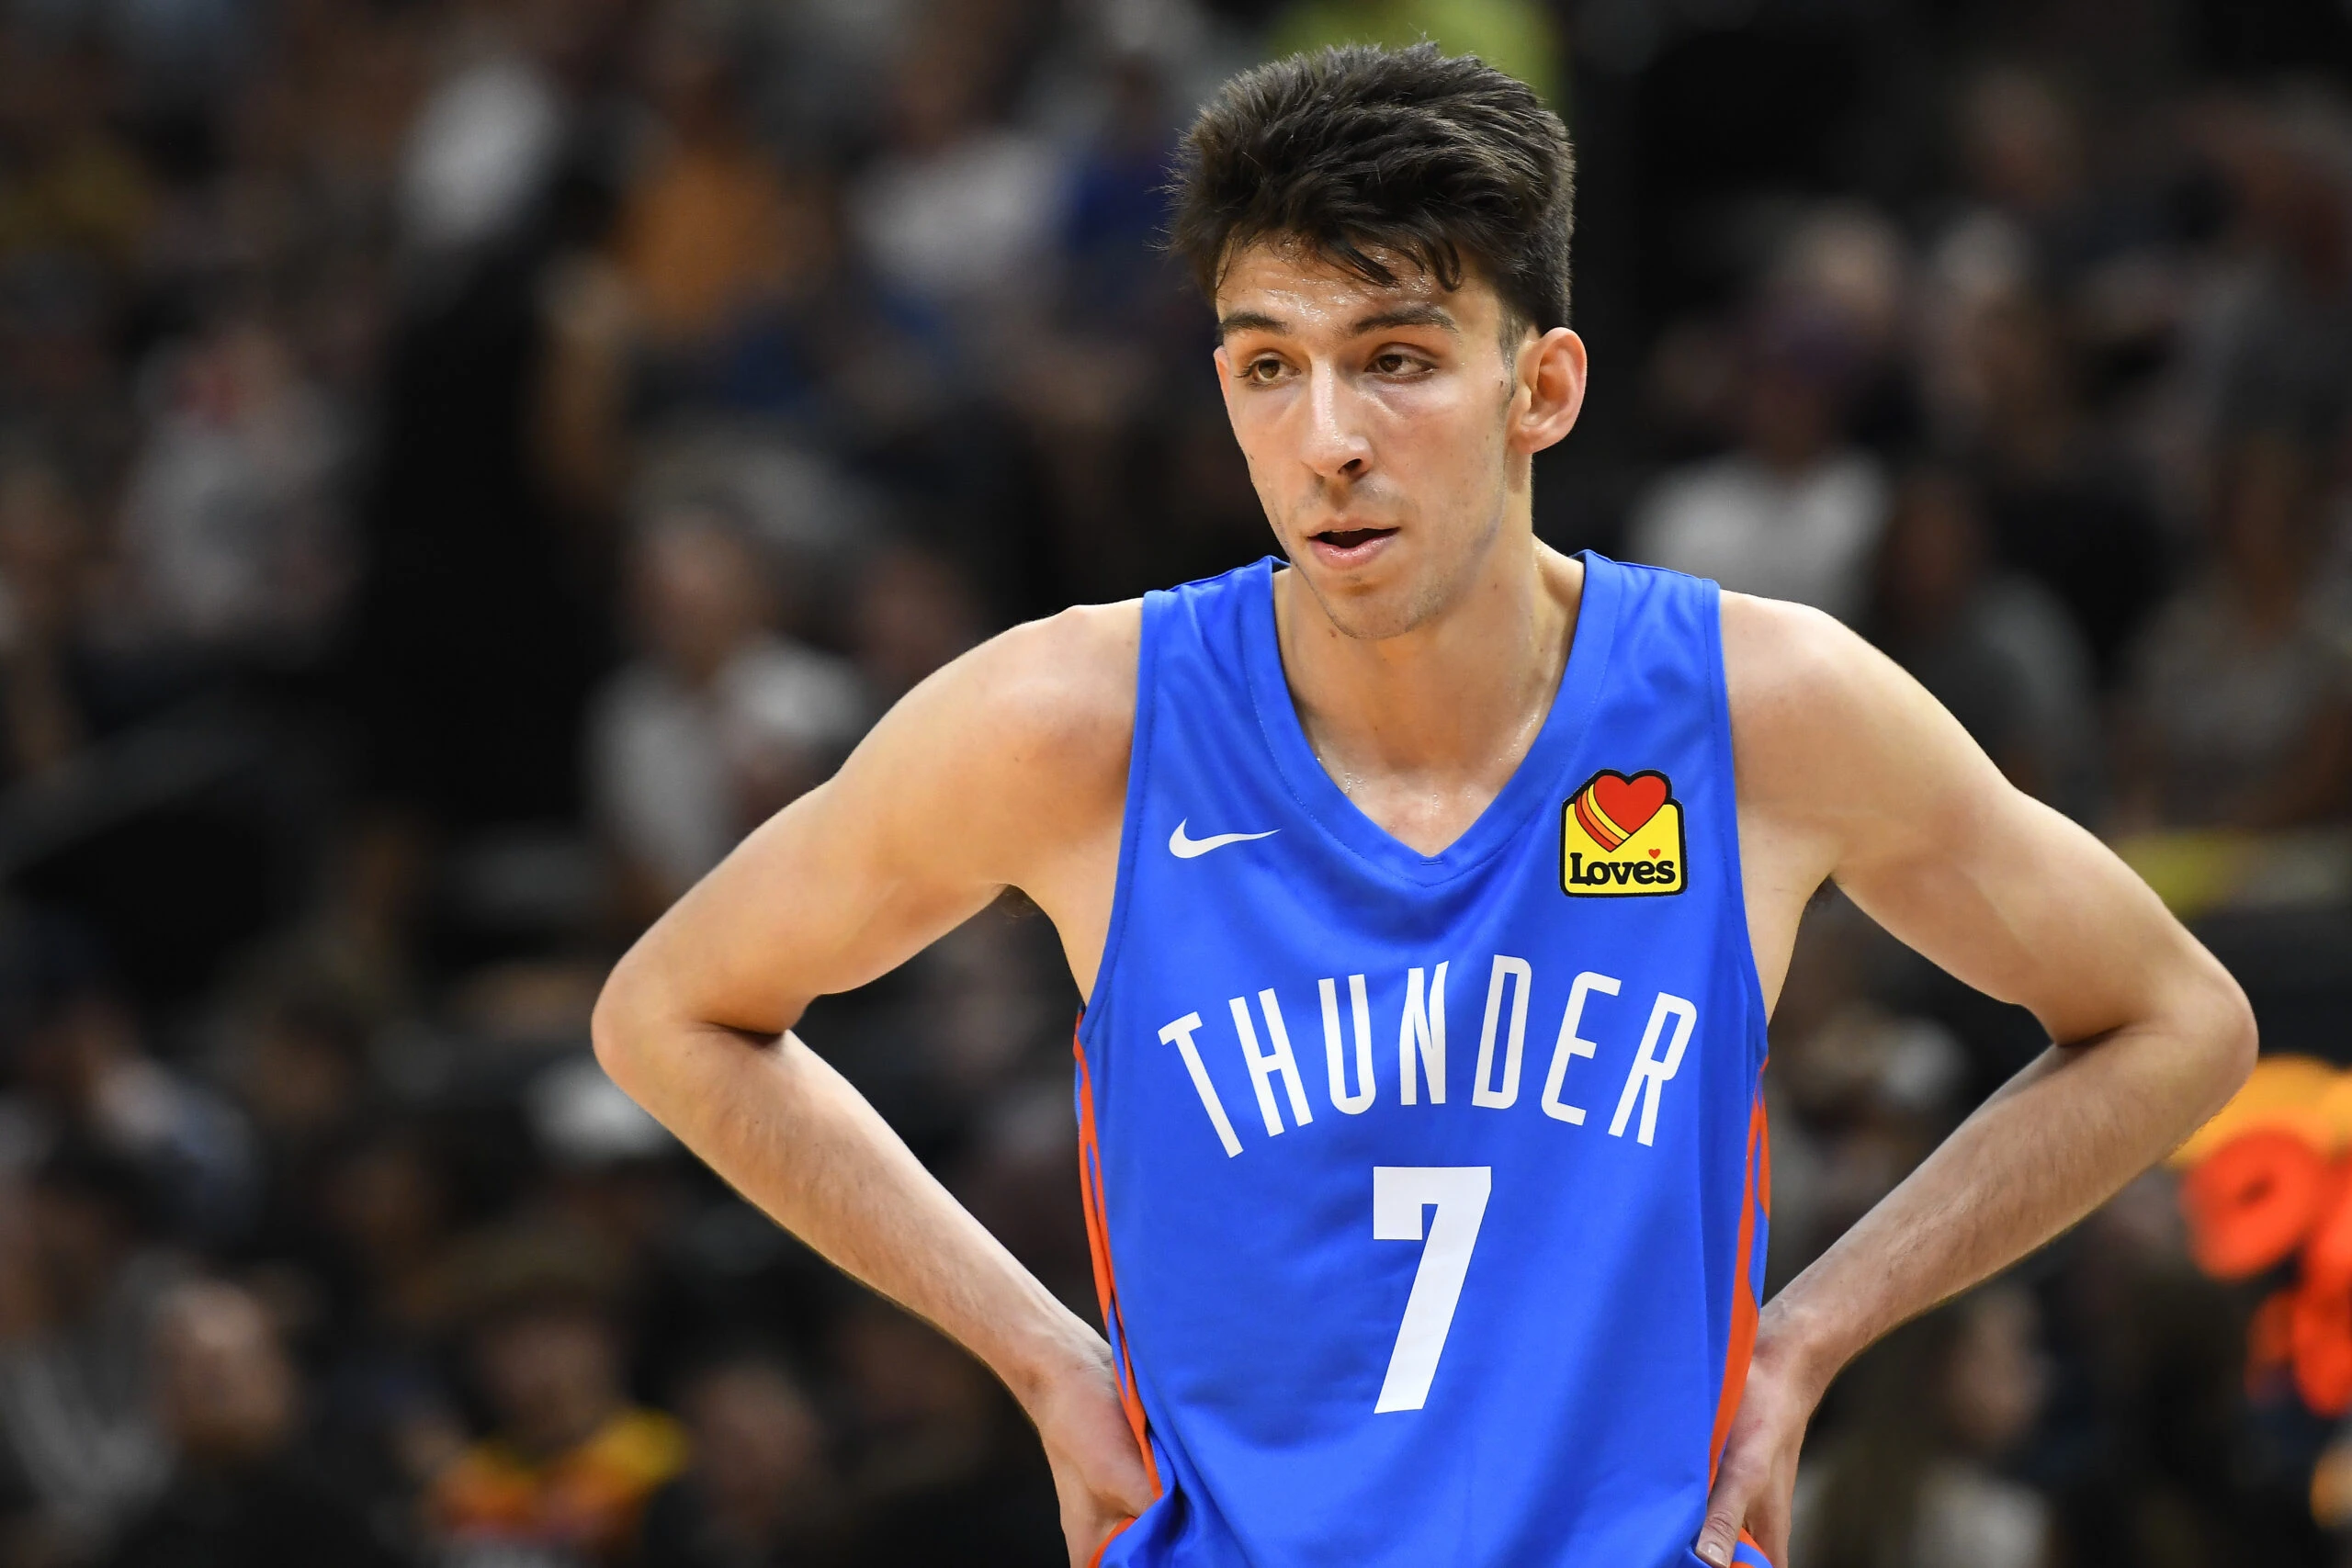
[1406, 316]
[1379, 321]
[1247, 321]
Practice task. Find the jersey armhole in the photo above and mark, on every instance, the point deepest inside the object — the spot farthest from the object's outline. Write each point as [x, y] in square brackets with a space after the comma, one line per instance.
[1727, 764]
[1155, 608]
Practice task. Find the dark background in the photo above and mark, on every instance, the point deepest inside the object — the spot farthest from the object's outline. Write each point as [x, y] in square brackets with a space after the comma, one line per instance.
[463, 462]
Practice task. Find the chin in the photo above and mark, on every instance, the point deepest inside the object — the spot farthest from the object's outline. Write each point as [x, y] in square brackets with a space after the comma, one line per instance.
[1374, 606]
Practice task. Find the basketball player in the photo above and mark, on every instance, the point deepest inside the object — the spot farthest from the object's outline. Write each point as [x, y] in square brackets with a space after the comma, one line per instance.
[1429, 894]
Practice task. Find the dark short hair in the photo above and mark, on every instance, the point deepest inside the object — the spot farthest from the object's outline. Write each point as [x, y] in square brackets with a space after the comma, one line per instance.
[1360, 152]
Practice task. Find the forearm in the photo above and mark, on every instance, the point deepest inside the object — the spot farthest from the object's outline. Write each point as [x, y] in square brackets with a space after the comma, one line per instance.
[2055, 1141]
[786, 1131]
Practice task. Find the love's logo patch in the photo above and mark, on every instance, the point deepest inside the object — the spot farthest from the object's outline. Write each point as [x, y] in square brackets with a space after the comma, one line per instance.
[1621, 837]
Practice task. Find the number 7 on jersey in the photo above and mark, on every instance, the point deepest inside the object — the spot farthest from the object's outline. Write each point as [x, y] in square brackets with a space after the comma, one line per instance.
[1400, 1193]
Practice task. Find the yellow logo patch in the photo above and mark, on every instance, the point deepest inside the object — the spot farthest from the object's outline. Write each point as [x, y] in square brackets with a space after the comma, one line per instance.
[1621, 837]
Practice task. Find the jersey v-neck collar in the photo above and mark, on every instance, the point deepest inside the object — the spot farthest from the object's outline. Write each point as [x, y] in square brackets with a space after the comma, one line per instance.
[1534, 783]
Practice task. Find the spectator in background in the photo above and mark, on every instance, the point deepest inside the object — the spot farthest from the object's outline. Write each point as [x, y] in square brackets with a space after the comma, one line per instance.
[1858, 1092]
[295, 1055]
[1796, 512]
[1914, 1480]
[960, 209]
[939, 1475]
[1851, 266]
[913, 613]
[2239, 708]
[478, 558]
[87, 1074]
[74, 187]
[481, 149]
[563, 1480]
[720, 720]
[2020, 152]
[386, 1265]
[1117, 279]
[710, 226]
[46, 672]
[2272, 338]
[78, 1439]
[243, 1492]
[729, 255]
[233, 539]
[2063, 499]
[761, 1493]
[1991, 645]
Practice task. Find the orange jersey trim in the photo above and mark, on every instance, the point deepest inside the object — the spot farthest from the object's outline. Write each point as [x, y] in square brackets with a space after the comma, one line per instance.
[1756, 1200]
[1106, 1285]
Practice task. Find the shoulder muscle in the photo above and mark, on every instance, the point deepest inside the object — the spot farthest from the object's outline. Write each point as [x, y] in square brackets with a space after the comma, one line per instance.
[1006, 750]
[999, 768]
[1850, 769]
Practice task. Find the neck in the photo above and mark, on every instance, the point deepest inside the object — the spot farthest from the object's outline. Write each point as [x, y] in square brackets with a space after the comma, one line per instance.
[1422, 730]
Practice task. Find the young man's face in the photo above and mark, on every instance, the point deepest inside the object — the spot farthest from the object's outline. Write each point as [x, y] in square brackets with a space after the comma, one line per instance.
[1385, 428]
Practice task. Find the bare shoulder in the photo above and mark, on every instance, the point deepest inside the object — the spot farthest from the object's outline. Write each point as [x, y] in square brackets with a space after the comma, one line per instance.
[1844, 766]
[1807, 692]
[1784, 663]
[1060, 689]
[1017, 746]
[1834, 742]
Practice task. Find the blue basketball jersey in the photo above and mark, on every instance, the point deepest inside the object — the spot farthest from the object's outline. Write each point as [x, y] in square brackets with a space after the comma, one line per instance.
[1427, 1191]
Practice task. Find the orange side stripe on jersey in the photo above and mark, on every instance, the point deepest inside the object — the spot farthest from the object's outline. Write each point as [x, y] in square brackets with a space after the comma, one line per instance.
[1098, 1244]
[1743, 1300]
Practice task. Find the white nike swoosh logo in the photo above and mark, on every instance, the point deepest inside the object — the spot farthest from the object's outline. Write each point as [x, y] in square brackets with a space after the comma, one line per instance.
[1184, 848]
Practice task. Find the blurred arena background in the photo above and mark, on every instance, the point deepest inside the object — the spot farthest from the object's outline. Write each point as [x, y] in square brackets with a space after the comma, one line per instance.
[464, 461]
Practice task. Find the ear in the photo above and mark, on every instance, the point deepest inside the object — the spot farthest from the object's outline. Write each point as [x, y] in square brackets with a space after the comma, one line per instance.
[1551, 389]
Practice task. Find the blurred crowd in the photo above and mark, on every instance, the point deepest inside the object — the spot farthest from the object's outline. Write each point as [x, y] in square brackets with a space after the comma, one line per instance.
[465, 462]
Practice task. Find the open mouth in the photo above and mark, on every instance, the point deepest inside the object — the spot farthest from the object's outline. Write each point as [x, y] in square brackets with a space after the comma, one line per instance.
[1351, 538]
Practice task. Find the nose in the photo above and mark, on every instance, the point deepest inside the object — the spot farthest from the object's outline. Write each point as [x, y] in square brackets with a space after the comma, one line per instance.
[1336, 446]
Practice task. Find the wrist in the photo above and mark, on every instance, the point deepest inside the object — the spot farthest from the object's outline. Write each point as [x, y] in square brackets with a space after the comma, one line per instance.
[1047, 1357]
[1800, 1347]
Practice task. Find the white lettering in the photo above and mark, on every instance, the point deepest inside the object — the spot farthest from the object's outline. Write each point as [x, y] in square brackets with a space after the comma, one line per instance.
[1649, 1072]
[1354, 1104]
[1263, 1066]
[1424, 1027]
[1482, 1089]
[1180, 1035]
[1400, 1193]
[1570, 1045]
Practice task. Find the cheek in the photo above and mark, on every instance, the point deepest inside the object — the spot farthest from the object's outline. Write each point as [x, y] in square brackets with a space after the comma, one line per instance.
[1448, 439]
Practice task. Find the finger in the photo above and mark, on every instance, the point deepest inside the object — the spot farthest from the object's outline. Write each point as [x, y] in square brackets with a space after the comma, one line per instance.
[1726, 1513]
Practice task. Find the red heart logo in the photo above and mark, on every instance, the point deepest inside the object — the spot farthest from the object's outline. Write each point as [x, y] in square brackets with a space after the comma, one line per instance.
[1629, 803]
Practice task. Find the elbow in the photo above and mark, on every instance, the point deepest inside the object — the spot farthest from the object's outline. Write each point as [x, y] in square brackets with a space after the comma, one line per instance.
[615, 1027]
[2224, 1026]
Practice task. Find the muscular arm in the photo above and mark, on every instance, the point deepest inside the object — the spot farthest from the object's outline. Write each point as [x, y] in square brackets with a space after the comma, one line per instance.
[1848, 769]
[1006, 768]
